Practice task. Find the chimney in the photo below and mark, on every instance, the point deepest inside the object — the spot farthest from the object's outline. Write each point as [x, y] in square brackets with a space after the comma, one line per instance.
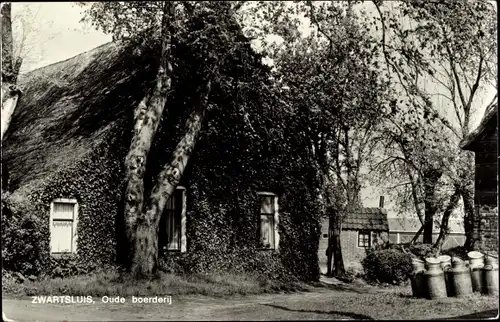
[381, 203]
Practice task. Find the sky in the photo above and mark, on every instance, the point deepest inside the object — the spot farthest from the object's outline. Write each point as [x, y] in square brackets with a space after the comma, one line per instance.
[54, 33]
[58, 33]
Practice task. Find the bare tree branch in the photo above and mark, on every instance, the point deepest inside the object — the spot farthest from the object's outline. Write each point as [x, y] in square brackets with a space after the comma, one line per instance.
[456, 76]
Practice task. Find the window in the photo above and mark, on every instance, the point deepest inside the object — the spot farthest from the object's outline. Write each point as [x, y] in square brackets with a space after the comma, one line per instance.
[63, 221]
[375, 238]
[268, 219]
[172, 235]
[364, 239]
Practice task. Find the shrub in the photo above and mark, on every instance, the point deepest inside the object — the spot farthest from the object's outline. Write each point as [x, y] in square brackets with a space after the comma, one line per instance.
[69, 265]
[417, 250]
[169, 264]
[422, 251]
[458, 251]
[387, 266]
[264, 264]
[22, 242]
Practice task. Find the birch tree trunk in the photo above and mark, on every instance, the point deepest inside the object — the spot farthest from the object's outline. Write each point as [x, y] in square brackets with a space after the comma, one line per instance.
[147, 118]
[145, 258]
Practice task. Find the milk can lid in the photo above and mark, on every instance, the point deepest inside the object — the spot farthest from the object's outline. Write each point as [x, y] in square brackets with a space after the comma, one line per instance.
[475, 254]
[456, 260]
[444, 258]
[490, 260]
[432, 260]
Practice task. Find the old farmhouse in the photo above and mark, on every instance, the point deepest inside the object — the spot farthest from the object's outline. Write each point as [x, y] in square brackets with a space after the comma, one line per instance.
[242, 201]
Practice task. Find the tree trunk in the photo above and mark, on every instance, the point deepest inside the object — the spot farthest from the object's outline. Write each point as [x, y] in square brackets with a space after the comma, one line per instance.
[430, 211]
[468, 198]
[431, 178]
[147, 118]
[415, 197]
[9, 74]
[10, 97]
[338, 261]
[10, 70]
[146, 249]
[329, 253]
[168, 179]
[419, 232]
[443, 232]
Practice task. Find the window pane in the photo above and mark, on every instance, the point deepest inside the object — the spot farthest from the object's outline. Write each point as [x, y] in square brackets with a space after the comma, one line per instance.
[173, 229]
[267, 204]
[363, 239]
[170, 204]
[175, 200]
[63, 210]
[170, 224]
[61, 238]
[267, 231]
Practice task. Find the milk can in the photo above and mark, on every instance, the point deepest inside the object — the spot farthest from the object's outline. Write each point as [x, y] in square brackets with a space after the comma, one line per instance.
[491, 276]
[445, 261]
[460, 275]
[418, 286]
[434, 279]
[476, 260]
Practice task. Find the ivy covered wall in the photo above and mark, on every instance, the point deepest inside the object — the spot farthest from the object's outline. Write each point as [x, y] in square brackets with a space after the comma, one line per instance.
[242, 149]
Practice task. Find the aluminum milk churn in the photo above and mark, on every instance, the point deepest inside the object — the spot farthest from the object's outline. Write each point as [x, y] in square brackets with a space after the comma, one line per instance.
[418, 286]
[445, 261]
[460, 273]
[491, 276]
[476, 260]
[434, 278]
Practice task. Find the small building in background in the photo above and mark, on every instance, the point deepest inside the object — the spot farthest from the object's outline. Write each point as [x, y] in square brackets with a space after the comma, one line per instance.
[403, 229]
[483, 141]
[360, 231]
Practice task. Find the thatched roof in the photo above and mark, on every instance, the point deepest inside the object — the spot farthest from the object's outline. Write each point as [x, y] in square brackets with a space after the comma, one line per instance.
[488, 123]
[67, 108]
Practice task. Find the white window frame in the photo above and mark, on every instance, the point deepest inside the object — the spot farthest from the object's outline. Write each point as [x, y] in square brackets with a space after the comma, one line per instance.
[275, 217]
[74, 202]
[183, 219]
[183, 242]
[369, 232]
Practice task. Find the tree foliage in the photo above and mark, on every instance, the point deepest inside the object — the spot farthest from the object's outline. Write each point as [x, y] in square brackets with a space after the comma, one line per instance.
[441, 56]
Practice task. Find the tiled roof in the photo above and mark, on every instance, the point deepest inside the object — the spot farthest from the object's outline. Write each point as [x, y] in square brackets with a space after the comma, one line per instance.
[489, 121]
[367, 219]
[405, 224]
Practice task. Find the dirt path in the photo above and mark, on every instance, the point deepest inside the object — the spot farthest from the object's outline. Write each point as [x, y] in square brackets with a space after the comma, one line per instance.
[337, 301]
[262, 307]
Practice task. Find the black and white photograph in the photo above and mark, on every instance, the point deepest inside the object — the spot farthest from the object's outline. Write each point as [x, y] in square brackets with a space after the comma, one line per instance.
[249, 160]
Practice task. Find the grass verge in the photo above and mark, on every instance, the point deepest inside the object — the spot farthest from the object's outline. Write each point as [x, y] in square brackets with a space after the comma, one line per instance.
[116, 283]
